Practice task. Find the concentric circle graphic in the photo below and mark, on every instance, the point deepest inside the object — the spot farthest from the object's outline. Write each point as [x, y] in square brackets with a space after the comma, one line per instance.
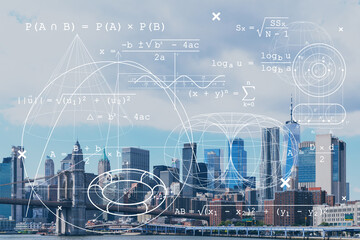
[113, 190]
[288, 42]
[319, 70]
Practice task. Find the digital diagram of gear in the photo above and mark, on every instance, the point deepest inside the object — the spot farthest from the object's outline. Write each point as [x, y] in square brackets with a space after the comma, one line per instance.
[319, 70]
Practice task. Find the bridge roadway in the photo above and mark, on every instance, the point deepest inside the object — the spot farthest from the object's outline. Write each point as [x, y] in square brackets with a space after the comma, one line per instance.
[133, 210]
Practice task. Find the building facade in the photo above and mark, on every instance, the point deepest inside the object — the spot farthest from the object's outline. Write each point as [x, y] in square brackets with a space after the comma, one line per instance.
[212, 159]
[50, 171]
[17, 175]
[189, 165]
[340, 215]
[331, 166]
[237, 164]
[5, 190]
[270, 169]
[135, 158]
[307, 164]
[291, 152]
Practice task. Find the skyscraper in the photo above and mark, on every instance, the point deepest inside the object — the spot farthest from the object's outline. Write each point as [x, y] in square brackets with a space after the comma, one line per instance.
[135, 158]
[331, 166]
[270, 169]
[201, 180]
[49, 171]
[292, 140]
[103, 166]
[5, 191]
[17, 175]
[237, 165]
[158, 168]
[169, 175]
[306, 165]
[189, 169]
[212, 160]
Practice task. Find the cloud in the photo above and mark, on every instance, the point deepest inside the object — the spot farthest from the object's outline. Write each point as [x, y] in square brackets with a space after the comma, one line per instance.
[37, 54]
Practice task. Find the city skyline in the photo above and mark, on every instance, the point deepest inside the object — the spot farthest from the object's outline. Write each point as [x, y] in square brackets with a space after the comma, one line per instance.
[175, 117]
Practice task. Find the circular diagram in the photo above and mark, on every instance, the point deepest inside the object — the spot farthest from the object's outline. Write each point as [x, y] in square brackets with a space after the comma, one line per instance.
[90, 101]
[288, 42]
[233, 147]
[319, 70]
[113, 189]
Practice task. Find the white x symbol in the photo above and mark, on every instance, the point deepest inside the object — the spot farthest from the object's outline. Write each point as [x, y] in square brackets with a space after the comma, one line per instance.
[341, 29]
[22, 154]
[216, 16]
[285, 182]
[344, 198]
[60, 208]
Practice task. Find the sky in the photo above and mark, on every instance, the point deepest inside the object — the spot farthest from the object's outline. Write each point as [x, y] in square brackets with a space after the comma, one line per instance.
[32, 63]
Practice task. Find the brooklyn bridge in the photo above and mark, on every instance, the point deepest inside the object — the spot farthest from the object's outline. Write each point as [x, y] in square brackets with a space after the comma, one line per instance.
[72, 204]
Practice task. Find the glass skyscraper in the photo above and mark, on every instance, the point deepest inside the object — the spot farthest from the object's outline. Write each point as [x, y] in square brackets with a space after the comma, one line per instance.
[291, 140]
[5, 191]
[189, 169]
[270, 169]
[212, 160]
[306, 164]
[201, 179]
[237, 165]
[135, 158]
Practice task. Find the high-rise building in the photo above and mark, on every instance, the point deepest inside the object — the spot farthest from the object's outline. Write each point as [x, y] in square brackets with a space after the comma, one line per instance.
[201, 180]
[5, 190]
[331, 166]
[103, 166]
[50, 179]
[212, 160]
[169, 176]
[237, 165]
[291, 140]
[17, 175]
[158, 168]
[306, 165]
[270, 169]
[189, 169]
[135, 158]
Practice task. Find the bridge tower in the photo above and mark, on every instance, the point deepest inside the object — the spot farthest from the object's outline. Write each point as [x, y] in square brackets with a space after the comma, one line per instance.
[71, 188]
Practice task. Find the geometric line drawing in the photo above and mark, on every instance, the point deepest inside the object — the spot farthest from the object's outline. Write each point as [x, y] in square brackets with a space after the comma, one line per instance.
[319, 70]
